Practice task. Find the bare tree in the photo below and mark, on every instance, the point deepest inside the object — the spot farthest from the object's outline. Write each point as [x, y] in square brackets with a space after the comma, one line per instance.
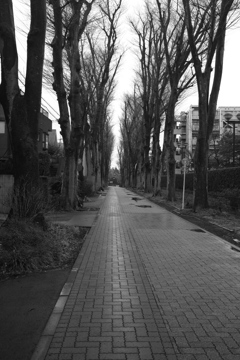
[178, 61]
[100, 67]
[22, 110]
[132, 139]
[82, 97]
[107, 150]
[153, 81]
[70, 21]
[209, 18]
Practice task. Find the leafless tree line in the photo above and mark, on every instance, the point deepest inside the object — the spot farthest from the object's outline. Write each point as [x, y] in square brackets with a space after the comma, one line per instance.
[82, 63]
[180, 44]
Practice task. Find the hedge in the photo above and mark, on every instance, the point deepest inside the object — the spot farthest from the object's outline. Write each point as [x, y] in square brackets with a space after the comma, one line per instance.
[218, 180]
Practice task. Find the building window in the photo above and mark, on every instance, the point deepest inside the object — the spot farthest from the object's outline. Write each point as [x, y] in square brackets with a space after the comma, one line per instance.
[45, 141]
[44, 112]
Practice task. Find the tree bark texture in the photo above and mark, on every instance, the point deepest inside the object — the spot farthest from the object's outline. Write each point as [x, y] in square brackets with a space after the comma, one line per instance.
[22, 111]
[156, 153]
[169, 147]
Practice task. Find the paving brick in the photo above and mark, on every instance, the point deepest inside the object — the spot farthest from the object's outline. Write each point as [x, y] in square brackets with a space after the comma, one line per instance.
[145, 354]
[51, 357]
[118, 341]
[74, 350]
[100, 338]
[106, 347]
[79, 357]
[65, 357]
[69, 341]
[123, 350]
[133, 357]
[54, 350]
[92, 353]
[148, 287]
[112, 357]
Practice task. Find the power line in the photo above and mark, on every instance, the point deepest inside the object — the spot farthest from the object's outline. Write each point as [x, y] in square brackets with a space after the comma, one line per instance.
[54, 116]
[49, 106]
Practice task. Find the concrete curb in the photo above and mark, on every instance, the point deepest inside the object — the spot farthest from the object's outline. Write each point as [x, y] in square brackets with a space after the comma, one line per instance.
[49, 330]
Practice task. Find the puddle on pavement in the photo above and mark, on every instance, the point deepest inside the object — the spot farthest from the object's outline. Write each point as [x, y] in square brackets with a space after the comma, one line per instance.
[144, 206]
[198, 230]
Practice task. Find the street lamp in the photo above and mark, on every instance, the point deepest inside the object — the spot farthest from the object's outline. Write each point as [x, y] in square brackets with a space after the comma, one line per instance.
[233, 122]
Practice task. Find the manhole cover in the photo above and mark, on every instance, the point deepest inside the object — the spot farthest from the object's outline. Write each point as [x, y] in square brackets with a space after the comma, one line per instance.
[198, 230]
[144, 206]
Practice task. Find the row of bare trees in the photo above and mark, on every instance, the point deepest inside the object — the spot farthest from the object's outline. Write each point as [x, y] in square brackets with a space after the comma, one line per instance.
[85, 64]
[81, 62]
[180, 44]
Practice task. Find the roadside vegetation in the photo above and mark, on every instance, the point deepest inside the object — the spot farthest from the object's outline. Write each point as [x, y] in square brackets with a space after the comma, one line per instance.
[27, 246]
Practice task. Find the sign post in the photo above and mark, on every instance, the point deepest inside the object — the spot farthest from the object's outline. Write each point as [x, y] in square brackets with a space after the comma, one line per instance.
[184, 180]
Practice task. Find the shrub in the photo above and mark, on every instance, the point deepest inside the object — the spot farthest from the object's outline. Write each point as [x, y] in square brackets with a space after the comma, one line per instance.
[44, 164]
[28, 201]
[85, 188]
[26, 247]
[218, 180]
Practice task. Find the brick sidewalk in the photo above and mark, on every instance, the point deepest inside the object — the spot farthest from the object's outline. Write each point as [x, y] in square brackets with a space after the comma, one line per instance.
[147, 285]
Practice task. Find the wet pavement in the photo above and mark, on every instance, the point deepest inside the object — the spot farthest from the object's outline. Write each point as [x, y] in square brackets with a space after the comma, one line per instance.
[146, 285]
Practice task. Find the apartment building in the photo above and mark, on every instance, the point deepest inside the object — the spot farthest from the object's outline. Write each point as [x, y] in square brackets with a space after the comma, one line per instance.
[189, 125]
[44, 128]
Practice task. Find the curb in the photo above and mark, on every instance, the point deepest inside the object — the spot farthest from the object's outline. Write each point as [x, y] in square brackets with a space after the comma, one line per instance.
[52, 323]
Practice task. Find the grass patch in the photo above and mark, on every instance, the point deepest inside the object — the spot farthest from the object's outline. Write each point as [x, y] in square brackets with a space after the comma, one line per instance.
[26, 247]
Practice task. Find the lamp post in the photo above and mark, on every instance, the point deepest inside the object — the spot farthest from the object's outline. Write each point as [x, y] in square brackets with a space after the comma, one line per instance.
[233, 122]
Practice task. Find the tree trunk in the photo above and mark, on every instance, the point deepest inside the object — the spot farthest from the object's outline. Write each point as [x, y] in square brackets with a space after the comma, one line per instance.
[22, 111]
[95, 165]
[24, 147]
[70, 182]
[33, 86]
[147, 167]
[170, 147]
[9, 88]
[73, 133]
[200, 179]
[156, 156]
[214, 43]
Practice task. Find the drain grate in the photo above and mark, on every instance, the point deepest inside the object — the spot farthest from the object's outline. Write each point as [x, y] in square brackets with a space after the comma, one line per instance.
[234, 248]
[144, 206]
[198, 230]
